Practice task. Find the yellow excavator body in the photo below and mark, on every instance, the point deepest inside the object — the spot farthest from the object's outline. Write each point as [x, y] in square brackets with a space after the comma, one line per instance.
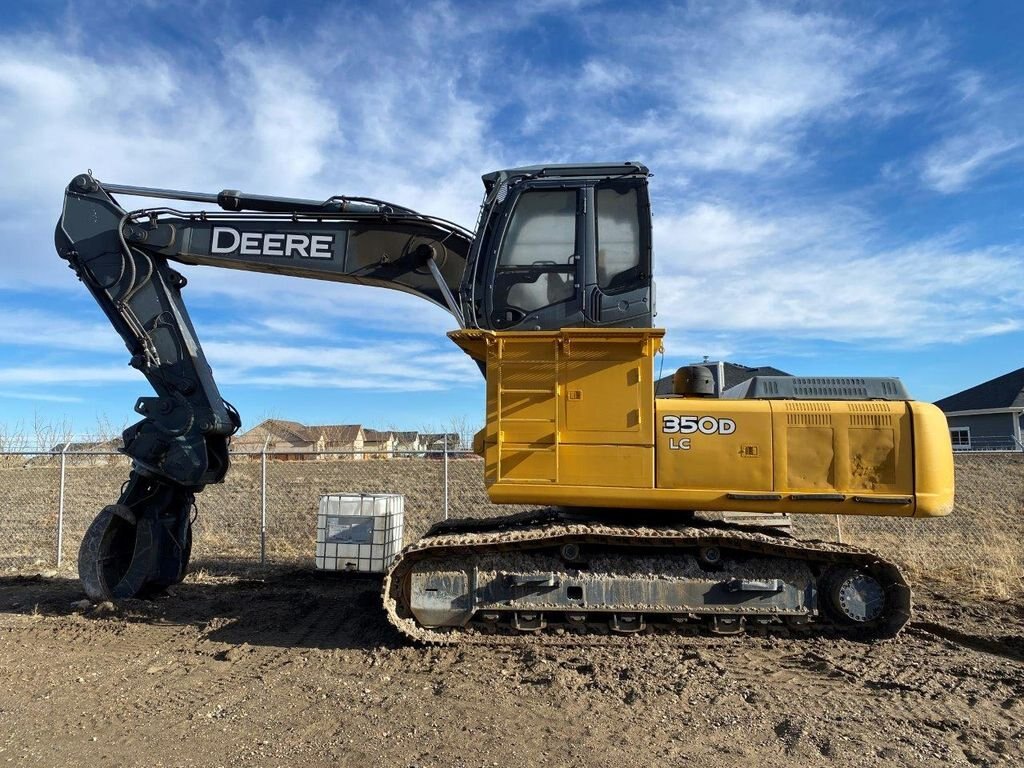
[573, 420]
[575, 427]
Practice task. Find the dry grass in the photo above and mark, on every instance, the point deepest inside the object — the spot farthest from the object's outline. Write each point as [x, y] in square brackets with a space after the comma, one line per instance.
[976, 550]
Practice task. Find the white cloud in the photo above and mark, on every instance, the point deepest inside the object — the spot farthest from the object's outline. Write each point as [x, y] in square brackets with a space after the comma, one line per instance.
[292, 121]
[714, 236]
[980, 133]
[731, 87]
[827, 276]
[289, 326]
[412, 107]
[378, 366]
[41, 397]
[604, 77]
[85, 331]
[250, 298]
[955, 162]
[261, 360]
[386, 114]
[319, 380]
[773, 66]
[27, 375]
[145, 120]
[288, 351]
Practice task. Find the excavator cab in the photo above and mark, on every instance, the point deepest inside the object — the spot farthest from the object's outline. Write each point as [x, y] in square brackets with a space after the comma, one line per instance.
[562, 246]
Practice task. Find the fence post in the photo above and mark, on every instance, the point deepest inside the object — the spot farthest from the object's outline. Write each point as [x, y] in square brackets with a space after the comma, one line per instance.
[263, 502]
[446, 477]
[60, 505]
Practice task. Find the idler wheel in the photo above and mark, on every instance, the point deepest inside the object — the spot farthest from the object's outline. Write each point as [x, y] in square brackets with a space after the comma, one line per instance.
[856, 597]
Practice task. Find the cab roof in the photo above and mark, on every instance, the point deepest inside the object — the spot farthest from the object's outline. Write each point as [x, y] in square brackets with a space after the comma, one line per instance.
[565, 170]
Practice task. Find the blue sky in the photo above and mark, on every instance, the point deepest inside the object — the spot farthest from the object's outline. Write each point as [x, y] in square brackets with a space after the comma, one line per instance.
[837, 186]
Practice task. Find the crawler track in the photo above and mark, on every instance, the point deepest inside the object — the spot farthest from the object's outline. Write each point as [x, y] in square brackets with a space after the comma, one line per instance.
[510, 544]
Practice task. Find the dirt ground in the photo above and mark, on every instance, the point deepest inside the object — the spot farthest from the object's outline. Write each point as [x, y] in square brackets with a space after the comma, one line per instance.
[286, 667]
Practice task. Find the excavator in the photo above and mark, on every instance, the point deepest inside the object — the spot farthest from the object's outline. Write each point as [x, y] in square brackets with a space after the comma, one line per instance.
[554, 298]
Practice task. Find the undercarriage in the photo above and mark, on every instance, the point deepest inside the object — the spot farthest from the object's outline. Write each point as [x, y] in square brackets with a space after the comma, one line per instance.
[556, 572]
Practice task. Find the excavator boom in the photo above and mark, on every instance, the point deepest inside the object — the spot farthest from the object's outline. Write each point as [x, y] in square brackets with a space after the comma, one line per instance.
[181, 443]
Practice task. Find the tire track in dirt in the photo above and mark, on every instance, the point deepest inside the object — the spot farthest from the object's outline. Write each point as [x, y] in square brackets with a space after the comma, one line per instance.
[1007, 646]
[295, 669]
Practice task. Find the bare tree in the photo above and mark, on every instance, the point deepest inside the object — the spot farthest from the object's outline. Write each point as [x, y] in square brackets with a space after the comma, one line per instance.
[107, 431]
[465, 427]
[49, 435]
[13, 439]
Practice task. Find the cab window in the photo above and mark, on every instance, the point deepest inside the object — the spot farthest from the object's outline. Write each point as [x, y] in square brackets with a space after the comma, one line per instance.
[536, 262]
[618, 237]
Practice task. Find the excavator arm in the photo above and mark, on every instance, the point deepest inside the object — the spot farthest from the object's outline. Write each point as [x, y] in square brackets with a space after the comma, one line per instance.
[557, 246]
[181, 443]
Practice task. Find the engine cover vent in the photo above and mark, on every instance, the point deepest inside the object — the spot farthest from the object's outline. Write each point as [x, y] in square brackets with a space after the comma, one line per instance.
[818, 388]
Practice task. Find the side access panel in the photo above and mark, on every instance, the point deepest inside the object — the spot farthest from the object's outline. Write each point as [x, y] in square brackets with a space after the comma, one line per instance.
[800, 456]
[568, 409]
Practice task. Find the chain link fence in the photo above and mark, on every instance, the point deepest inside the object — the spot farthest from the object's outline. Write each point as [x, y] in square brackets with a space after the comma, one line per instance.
[985, 443]
[265, 512]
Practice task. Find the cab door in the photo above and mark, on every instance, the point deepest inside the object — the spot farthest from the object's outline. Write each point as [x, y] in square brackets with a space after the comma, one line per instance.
[538, 272]
[619, 288]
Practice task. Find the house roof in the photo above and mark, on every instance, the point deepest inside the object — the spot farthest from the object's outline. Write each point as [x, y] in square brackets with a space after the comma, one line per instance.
[1006, 391]
[287, 430]
[99, 445]
[294, 432]
[735, 373]
[336, 433]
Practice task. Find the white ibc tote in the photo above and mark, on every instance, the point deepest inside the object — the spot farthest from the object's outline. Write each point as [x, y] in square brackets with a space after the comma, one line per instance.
[359, 531]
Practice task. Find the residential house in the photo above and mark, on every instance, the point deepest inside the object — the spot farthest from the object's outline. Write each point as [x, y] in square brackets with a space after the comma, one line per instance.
[276, 435]
[436, 441]
[82, 454]
[346, 440]
[725, 374]
[407, 443]
[987, 416]
[292, 440]
[379, 444]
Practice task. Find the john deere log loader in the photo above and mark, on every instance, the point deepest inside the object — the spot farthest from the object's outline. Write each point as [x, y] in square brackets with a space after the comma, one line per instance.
[554, 298]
